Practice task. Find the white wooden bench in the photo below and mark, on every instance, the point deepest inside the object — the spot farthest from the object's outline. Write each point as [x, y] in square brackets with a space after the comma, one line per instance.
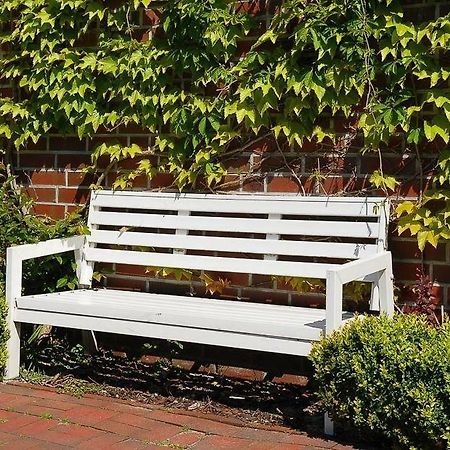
[337, 239]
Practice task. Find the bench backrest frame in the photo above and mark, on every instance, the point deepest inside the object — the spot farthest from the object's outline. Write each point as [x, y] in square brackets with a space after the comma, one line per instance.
[269, 225]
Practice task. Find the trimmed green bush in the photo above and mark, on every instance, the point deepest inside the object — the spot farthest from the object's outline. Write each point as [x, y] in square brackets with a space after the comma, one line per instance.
[389, 376]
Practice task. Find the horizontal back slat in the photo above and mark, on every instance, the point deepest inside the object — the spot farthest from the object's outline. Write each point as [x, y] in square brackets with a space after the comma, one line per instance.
[256, 204]
[234, 232]
[238, 224]
[232, 244]
[218, 264]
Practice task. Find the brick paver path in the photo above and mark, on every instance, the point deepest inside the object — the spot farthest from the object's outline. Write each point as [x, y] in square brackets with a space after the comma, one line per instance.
[36, 418]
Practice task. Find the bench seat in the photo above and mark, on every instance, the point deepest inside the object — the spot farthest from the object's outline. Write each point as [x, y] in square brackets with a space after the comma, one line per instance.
[256, 326]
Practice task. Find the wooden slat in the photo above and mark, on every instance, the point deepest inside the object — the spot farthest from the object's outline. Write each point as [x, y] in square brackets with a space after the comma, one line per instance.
[231, 244]
[262, 204]
[175, 333]
[265, 320]
[232, 224]
[218, 264]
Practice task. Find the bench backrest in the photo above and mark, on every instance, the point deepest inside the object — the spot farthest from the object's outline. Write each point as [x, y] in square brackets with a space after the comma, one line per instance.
[260, 234]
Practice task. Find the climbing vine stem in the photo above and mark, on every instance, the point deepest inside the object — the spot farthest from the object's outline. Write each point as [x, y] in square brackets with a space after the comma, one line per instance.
[188, 84]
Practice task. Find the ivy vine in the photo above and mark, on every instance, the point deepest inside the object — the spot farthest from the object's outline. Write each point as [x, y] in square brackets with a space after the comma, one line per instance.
[320, 62]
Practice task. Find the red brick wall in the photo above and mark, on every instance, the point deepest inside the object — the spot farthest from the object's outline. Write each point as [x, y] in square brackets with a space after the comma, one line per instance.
[50, 171]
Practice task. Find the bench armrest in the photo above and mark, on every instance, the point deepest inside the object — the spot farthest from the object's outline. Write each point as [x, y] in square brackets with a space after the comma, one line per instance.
[45, 248]
[377, 268]
[16, 255]
[361, 268]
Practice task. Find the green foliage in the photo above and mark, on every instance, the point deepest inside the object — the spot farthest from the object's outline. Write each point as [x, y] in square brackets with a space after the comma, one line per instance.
[388, 376]
[356, 62]
[18, 225]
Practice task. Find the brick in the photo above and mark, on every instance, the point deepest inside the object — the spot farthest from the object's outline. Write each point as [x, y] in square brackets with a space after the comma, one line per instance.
[69, 434]
[70, 195]
[161, 180]
[67, 144]
[265, 281]
[110, 140]
[103, 441]
[406, 271]
[187, 438]
[253, 185]
[307, 301]
[88, 415]
[125, 283]
[221, 443]
[127, 269]
[441, 272]
[73, 161]
[54, 211]
[36, 161]
[46, 177]
[152, 17]
[259, 296]
[237, 165]
[80, 179]
[41, 144]
[47, 195]
[283, 184]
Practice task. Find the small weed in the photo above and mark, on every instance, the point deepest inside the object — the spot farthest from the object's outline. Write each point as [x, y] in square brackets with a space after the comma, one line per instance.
[64, 422]
[185, 429]
[167, 444]
[47, 416]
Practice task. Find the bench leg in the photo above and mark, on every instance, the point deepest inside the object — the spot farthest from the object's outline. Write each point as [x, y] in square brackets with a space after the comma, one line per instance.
[375, 296]
[328, 425]
[334, 291]
[89, 341]
[387, 291]
[13, 349]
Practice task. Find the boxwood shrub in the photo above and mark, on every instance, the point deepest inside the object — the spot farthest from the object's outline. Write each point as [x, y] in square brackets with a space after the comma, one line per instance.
[388, 376]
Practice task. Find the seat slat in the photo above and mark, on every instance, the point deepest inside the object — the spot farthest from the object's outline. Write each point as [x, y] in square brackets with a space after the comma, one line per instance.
[235, 224]
[174, 333]
[262, 204]
[231, 244]
[174, 302]
[213, 263]
[278, 321]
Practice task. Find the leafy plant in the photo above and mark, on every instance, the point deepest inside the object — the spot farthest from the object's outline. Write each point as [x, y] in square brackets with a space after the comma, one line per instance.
[388, 376]
[18, 225]
[423, 301]
[320, 63]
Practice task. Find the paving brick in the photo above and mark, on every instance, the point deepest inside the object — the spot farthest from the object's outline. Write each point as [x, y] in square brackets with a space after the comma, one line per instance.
[163, 416]
[187, 438]
[88, 415]
[158, 431]
[132, 444]
[210, 426]
[302, 439]
[16, 423]
[259, 435]
[69, 434]
[134, 420]
[37, 427]
[109, 424]
[122, 429]
[221, 443]
[103, 441]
